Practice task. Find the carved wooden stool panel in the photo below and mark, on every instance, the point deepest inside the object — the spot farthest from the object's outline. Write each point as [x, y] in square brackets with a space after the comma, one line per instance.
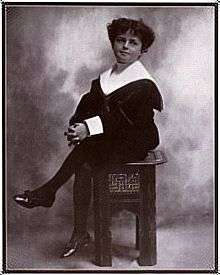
[131, 187]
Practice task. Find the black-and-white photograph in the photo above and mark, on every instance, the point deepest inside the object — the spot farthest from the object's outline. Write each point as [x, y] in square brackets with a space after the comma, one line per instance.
[109, 137]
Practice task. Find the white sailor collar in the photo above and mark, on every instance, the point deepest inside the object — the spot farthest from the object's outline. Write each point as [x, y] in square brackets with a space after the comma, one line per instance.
[135, 71]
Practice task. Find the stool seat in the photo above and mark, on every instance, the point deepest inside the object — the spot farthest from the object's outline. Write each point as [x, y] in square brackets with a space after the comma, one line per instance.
[129, 186]
[153, 158]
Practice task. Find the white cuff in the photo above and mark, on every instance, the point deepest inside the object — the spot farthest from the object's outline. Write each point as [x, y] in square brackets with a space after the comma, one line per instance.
[95, 125]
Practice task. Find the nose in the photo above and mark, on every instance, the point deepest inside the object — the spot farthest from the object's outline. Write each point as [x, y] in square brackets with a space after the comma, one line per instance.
[126, 44]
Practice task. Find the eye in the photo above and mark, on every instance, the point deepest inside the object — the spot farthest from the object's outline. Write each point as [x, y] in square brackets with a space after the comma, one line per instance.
[120, 39]
[133, 42]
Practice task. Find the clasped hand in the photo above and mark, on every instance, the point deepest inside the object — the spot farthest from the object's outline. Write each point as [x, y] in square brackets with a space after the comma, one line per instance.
[76, 133]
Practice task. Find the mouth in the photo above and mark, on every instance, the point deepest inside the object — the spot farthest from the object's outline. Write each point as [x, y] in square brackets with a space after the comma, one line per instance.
[124, 53]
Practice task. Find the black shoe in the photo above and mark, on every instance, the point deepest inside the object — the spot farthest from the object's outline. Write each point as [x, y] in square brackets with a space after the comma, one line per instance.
[77, 241]
[30, 199]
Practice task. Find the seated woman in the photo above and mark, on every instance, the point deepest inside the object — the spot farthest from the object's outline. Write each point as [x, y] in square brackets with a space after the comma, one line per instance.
[113, 124]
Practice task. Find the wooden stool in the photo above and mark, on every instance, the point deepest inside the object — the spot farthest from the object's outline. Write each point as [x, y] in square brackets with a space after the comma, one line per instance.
[131, 187]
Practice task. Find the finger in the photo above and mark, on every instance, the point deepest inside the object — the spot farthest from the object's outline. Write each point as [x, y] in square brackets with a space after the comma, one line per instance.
[69, 138]
[76, 139]
[68, 133]
[72, 134]
[72, 142]
[71, 128]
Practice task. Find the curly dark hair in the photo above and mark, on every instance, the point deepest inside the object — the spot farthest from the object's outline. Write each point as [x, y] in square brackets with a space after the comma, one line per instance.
[137, 27]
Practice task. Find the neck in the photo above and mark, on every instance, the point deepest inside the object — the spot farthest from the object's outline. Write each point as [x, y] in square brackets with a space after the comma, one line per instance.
[119, 67]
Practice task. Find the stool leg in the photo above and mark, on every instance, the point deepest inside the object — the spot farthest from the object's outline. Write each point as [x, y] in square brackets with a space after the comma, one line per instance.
[147, 217]
[102, 241]
[102, 224]
[137, 233]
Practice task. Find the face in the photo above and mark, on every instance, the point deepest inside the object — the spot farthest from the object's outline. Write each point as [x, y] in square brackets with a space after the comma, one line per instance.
[127, 48]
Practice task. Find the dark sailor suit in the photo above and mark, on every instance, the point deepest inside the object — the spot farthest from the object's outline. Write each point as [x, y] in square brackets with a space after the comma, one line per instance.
[120, 119]
[127, 118]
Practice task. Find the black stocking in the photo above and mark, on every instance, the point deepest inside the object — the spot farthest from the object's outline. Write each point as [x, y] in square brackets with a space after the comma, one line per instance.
[79, 155]
[82, 189]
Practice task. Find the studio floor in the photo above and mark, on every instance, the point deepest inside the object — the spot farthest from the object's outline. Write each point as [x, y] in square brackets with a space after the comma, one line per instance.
[181, 245]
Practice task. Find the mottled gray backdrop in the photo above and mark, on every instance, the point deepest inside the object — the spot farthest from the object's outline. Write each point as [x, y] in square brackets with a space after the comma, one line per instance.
[53, 53]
